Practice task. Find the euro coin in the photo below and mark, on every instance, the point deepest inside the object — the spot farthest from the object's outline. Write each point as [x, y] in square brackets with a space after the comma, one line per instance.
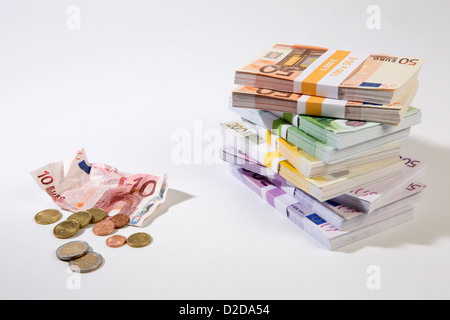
[48, 216]
[87, 263]
[103, 228]
[72, 250]
[139, 240]
[120, 220]
[83, 217]
[98, 214]
[66, 229]
[116, 241]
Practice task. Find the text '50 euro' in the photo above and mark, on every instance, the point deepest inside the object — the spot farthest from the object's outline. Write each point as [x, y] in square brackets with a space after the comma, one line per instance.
[331, 73]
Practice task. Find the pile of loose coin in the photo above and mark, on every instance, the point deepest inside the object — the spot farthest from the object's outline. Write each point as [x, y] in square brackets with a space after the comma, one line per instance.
[76, 221]
[76, 252]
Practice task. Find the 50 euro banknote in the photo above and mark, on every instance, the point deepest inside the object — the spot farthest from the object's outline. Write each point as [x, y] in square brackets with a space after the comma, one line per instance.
[289, 102]
[331, 73]
[77, 185]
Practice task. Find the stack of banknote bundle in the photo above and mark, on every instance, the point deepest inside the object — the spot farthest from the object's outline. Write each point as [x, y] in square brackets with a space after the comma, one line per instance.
[319, 139]
[332, 83]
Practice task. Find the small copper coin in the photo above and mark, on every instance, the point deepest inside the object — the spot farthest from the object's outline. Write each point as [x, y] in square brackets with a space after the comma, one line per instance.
[120, 220]
[103, 228]
[116, 241]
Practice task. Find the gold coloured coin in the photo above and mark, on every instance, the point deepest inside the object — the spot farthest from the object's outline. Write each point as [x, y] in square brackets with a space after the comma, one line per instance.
[139, 240]
[87, 263]
[66, 229]
[98, 214]
[72, 250]
[48, 216]
[83, 217]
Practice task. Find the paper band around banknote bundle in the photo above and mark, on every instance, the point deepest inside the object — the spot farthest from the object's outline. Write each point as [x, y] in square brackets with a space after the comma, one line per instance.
[275, 196]
[326, 73]
[280, 127]
[262, 152]
[318, 106]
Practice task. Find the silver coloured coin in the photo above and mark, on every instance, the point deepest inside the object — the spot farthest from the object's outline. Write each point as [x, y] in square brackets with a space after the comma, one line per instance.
[87, 263]
[72, 250]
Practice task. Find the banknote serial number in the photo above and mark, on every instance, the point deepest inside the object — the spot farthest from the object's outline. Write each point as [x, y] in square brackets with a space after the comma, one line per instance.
[226, 309]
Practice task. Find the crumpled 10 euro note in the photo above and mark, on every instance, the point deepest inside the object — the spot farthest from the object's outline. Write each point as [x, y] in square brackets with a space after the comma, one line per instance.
[77, 185]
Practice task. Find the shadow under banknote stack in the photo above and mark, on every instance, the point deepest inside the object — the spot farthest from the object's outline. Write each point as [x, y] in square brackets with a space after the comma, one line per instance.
[319, 139]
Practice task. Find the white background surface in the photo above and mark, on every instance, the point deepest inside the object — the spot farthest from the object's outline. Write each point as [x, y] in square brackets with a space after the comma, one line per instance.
[135, 72]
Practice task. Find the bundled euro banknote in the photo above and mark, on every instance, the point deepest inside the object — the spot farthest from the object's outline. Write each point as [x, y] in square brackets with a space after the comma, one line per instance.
[320, 138]
[332, 73]
[357, 140]
[78, 185]
[342, 133]
[306, 217]
[323, 187]
[289, 102]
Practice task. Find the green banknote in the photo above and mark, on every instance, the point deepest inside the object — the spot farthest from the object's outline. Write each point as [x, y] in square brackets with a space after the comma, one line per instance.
[326, 152]
[342, 133]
